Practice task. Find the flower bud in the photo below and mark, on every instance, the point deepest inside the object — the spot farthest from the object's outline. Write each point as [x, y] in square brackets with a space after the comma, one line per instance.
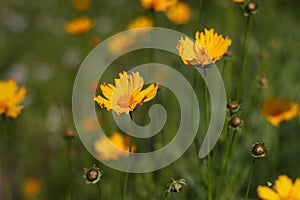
[236, 122]
[175, 185]
[258, 150]
[69, 133]
[263, 82]
[250, 8]
[233, 106]
[92, 175]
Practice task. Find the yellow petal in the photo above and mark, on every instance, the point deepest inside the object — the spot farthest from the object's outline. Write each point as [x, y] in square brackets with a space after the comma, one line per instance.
[296, 189]
[283, 186]
[147, 94]
[107, 90]
[103, 103]
[266, 193]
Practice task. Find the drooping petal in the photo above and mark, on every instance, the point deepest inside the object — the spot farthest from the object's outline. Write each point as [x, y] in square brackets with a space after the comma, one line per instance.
[103, 103]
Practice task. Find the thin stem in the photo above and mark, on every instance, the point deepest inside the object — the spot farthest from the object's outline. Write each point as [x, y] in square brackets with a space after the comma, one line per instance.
[6, 163]
[208, 146]
[200, 11]
[228, 154]
[100, 192]
[70, 168]
[126, 176]
[244, 70]
[250, 179]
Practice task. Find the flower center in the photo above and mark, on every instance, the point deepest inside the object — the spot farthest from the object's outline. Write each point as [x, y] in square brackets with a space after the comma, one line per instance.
[125, 101]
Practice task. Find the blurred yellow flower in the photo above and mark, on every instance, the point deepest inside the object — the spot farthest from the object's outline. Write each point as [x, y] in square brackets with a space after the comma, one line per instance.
[158, 5]
[180, 13]
[208, 48]
[10, 98]
[79, 26]
[107, 152]
[31, 187]
[127, 95]
[239, 1]
[89, 124]
[120, 43]
[276, 111]
[140, 22]
[284, 189]
[81, 5]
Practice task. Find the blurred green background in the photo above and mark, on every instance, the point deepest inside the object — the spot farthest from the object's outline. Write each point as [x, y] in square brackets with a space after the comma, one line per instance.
[37, 52]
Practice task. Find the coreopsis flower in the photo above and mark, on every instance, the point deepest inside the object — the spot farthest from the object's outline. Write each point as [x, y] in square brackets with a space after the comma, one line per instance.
[79, 26]
[275, 110]
[127, 95]
[140, 22]
[106, 151]
[284, 189]
[208, 48]
[81, 5]
[31, 187]
[158, 5]
[120, 43]
[10, 98]
[180, 13]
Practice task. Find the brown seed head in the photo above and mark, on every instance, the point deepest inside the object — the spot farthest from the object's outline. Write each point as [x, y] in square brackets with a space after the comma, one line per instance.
[251, 6]
[92, 175]
[258, 150]
[236, 121]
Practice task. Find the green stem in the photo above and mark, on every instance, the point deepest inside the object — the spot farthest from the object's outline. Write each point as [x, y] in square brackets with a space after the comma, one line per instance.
[6, 163]
[70, 168]
[100, 192]
[244, 70]
[208, 146]
[228, 155]
[200, 12]
[250, 179]
[126, 176]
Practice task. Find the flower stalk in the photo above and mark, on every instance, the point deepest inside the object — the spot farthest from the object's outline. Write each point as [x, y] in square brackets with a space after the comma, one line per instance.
[244, 69]
[250, 179]
[127, 173]
[6, 162]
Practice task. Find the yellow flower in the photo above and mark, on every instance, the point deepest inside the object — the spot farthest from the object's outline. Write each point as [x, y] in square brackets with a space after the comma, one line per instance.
[239, 1]
[106, 152]
[89, 124]
[284, 190]
[276, 111]
[208, 48]
[158, 5]
[140, 22]
[79, 26]
[10, 98]
[81, 5]
[180, 13]
[120, 43]
[127, 94]
[31, 187]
